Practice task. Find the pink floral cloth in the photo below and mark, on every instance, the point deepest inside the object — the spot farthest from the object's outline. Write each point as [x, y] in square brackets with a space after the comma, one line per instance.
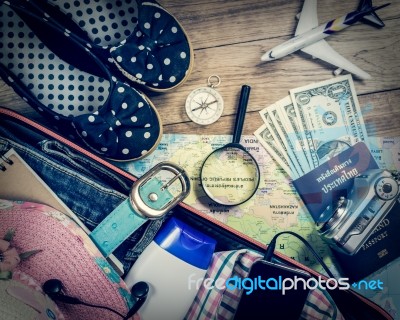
[9, 257]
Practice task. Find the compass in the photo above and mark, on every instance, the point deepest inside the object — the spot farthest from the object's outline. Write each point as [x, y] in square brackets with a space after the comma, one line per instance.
[205, 105]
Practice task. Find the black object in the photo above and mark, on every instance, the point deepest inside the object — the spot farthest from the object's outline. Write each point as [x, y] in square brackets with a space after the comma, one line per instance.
[139, 292]
[268, 300]
[241, 113]
[280, 303]
[53, 288]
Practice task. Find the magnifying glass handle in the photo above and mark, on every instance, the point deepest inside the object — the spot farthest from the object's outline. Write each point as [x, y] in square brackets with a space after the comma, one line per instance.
[241, 113]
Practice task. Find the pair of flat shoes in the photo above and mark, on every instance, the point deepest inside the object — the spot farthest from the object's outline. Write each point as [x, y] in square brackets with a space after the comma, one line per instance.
[83, 63]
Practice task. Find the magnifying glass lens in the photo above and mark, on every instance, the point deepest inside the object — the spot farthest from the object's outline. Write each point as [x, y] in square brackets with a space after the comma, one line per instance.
[230, 176]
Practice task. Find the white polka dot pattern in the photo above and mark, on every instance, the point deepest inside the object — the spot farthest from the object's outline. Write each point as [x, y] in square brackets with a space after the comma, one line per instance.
[158, 54]
[115, 128]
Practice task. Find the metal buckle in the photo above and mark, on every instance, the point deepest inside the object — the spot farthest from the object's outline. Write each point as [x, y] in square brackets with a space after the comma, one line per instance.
[140, 206]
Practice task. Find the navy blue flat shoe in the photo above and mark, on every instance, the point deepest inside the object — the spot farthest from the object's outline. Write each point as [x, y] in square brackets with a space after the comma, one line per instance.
[137, 39]
[98, 110]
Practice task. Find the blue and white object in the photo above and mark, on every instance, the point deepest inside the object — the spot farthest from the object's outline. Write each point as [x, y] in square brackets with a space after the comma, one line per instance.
[173, 265]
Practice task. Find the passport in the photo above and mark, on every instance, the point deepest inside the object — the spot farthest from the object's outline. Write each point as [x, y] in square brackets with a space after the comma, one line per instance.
[324, 185]
[378, 250]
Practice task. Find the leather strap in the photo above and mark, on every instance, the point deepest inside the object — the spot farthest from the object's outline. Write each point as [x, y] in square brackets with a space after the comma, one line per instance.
[124, 220]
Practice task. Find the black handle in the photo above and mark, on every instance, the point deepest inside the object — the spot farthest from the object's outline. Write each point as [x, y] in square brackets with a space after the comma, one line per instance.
[241, 113]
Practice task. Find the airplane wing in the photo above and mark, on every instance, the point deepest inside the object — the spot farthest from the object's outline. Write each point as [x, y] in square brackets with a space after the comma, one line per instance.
[308, 17]
[322, 50]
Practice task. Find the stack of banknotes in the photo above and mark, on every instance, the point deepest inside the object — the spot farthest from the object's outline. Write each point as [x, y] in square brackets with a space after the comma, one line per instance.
[312, 125]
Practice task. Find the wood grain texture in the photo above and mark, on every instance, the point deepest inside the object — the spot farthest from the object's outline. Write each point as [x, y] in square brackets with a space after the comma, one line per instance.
[228, 39]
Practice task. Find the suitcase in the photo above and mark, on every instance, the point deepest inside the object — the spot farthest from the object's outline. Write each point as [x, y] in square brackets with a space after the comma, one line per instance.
[23, 131]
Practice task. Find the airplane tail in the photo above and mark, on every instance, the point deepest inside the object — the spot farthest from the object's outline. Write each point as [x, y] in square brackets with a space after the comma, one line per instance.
[371, 17]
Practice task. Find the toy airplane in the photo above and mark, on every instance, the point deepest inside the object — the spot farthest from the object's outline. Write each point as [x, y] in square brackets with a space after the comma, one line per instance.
[309, 36]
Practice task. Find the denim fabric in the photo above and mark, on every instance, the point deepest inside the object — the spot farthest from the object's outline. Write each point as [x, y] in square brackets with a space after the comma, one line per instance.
[87, 188]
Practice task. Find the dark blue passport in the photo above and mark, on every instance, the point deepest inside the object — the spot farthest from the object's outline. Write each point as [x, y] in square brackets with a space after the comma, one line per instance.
[324, 185]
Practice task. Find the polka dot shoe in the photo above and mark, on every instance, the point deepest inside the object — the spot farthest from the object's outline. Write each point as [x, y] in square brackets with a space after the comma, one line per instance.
[137, 39]
[108, 116]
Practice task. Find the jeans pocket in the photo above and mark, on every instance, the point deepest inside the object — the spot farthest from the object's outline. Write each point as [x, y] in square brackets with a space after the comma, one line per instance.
[81, 164]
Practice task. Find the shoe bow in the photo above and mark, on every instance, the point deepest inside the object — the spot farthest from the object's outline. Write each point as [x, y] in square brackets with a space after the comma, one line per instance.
[157, 52]
[125, 127]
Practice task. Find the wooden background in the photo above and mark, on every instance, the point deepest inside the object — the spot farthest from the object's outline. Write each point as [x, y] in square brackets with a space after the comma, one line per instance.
[229, 38]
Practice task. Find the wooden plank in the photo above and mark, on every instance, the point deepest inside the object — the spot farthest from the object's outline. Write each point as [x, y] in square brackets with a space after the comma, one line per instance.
[381, 113]
[220, 22]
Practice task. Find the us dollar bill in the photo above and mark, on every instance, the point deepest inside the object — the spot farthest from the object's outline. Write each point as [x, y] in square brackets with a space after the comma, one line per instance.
[330, 117]
[289, 125]
[278, 139]
[265, 137]
[275, 125]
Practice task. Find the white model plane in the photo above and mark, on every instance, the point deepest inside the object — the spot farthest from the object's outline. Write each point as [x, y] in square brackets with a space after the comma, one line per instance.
[309, 36]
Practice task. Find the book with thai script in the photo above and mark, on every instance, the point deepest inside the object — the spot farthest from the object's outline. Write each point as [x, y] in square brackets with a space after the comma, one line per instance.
[324, 185]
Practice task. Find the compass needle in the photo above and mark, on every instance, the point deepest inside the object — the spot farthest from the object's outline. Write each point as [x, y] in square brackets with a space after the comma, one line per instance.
[212, 102]
[197, 108]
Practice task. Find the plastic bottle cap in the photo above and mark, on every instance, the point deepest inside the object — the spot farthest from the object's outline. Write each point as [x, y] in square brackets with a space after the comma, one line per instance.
[186, 243]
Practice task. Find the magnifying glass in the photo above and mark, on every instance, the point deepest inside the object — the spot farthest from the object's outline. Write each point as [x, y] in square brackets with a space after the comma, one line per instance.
[230, 175]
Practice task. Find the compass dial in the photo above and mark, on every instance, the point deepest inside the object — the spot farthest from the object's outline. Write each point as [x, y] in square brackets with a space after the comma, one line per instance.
[204, 105]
